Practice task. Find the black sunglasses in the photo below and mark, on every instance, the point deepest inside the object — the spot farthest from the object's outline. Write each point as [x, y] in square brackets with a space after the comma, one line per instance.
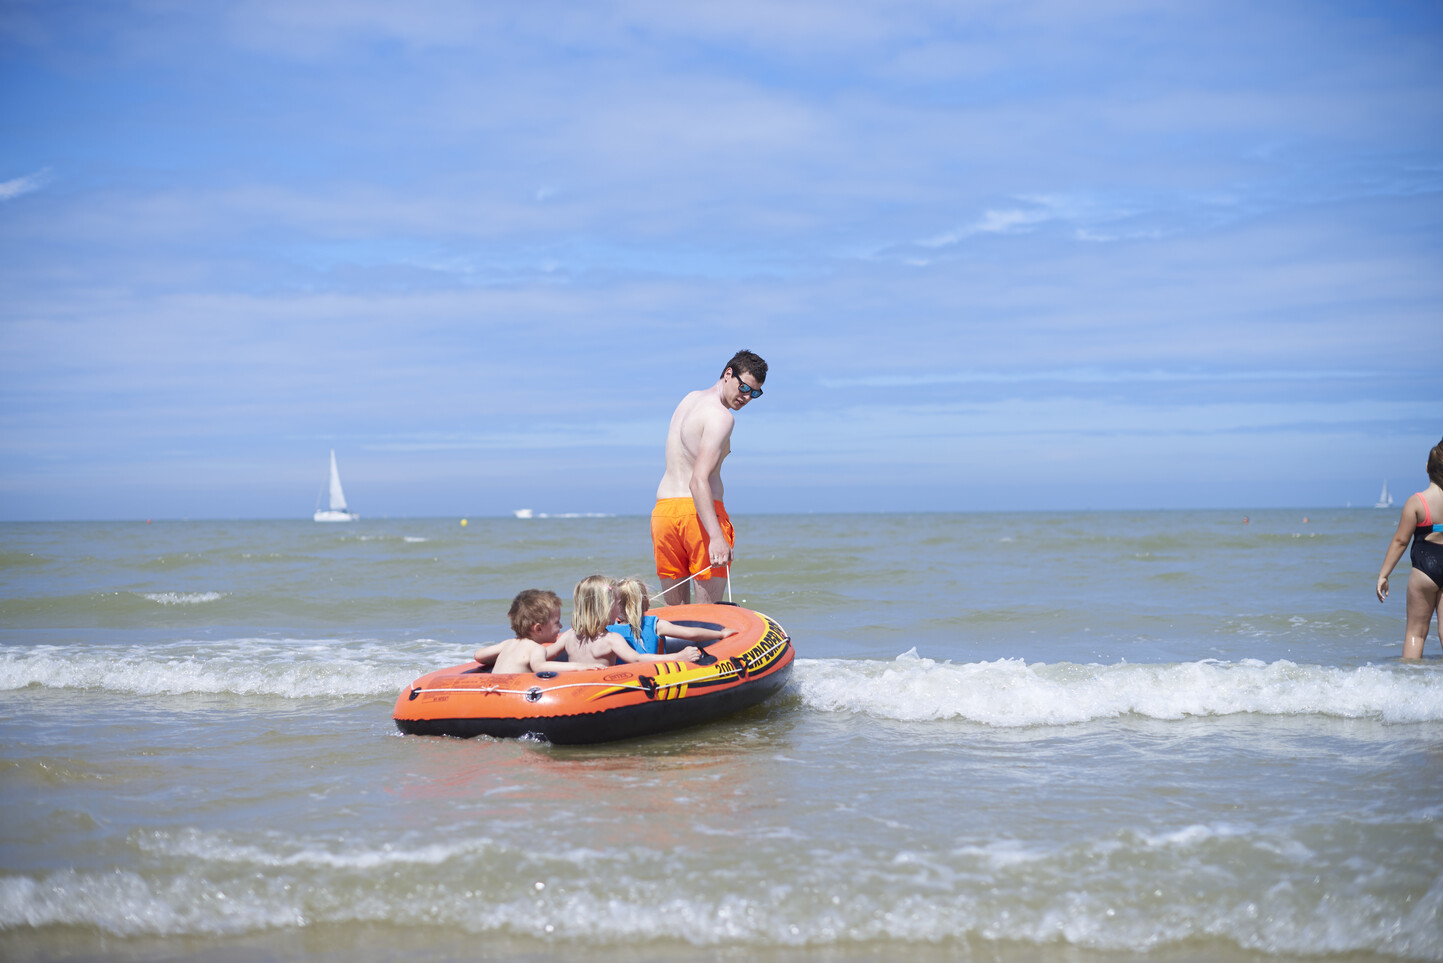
[747, 389]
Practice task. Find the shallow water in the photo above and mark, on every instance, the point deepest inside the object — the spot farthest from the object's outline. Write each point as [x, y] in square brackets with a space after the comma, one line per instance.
[1106, 736]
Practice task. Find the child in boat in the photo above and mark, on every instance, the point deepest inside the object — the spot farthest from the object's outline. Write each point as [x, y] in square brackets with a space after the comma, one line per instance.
[595, 606]
[644, 632]
[535, 616]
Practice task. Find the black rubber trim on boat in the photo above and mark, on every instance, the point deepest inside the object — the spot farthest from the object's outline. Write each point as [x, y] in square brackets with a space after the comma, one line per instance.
[645, 719]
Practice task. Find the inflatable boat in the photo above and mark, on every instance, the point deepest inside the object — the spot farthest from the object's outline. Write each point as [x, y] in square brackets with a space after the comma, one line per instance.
[609, 702]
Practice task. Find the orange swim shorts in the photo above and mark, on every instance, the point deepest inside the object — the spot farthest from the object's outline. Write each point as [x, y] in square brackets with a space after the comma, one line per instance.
[679, 541]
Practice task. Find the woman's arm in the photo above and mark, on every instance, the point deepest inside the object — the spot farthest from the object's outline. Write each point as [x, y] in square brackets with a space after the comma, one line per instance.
[1407, 521]
[691, 633]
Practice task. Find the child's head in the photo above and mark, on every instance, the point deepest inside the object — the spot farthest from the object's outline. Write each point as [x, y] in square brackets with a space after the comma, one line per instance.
[592, 606]
[534, 614]
[634, 602]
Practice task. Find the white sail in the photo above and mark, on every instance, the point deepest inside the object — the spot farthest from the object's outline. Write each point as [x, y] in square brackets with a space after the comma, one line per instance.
[1385, 500]
[338, 497]
[337, 512]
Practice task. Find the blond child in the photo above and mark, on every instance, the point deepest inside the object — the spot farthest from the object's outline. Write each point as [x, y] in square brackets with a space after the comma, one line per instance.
[645, 632]
[535, 616]
[596, 606]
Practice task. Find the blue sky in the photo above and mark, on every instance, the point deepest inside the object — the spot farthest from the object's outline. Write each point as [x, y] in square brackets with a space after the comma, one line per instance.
[1005, 255]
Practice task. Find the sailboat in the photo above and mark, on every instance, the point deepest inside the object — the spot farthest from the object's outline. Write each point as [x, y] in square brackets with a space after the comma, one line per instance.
[1385, 500]
[337, 512]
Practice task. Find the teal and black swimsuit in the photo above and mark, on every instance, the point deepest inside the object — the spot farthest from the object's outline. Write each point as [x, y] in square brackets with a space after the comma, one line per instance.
[1427, 557]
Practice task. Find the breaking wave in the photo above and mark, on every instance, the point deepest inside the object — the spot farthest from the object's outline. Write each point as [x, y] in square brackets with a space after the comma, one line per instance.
[910, 688]
[1013, 692]
[1250, 889]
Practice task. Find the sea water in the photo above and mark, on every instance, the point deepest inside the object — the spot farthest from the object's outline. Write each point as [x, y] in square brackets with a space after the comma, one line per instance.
[1099, 736]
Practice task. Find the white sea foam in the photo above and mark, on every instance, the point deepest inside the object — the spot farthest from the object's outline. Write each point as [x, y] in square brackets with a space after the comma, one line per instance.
[1004, 693]
[126, 903]
[184, 598]
[281, 853]
[573, 515]
[1012, 692]
[289, 668]
[1044, 897]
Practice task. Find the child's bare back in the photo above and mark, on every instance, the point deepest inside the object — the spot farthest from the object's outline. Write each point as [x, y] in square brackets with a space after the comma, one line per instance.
[536, 619]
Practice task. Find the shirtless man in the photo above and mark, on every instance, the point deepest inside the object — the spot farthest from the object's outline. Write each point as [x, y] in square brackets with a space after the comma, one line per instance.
[689, 526]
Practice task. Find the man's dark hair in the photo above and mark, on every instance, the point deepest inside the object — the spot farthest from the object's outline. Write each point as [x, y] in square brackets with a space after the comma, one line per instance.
[745, 360]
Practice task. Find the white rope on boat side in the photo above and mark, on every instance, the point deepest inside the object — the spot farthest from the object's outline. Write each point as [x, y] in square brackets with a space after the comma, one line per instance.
[497, 690]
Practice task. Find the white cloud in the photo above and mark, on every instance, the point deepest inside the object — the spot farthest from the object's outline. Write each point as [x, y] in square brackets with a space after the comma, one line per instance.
[1091, 376]
[1007, 221]
[610, 434]
[1036, 209]
[882, 434]
[11, 189]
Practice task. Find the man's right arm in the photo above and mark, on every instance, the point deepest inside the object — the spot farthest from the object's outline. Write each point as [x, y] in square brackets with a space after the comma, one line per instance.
[716, 431]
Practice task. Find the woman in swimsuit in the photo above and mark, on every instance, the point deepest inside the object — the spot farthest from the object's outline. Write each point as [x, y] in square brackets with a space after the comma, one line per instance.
[1422, 519]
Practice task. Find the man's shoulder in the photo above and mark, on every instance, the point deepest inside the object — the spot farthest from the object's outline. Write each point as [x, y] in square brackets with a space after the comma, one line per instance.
[703, 409]
[698, 400]
[710, 410]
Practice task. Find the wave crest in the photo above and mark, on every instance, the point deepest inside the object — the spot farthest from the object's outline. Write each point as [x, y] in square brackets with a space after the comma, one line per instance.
[1005, 693]
[184, 598]
[1012, 692]
[291, 669]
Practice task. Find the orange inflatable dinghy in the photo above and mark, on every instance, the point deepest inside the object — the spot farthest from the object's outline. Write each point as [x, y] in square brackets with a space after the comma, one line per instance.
[609, 702]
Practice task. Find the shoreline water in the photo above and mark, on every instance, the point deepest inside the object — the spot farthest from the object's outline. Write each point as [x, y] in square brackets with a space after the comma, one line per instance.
[1043, 737]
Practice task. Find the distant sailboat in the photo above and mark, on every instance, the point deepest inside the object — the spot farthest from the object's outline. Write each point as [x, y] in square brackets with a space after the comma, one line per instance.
[337, 512]
[1385, 500]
